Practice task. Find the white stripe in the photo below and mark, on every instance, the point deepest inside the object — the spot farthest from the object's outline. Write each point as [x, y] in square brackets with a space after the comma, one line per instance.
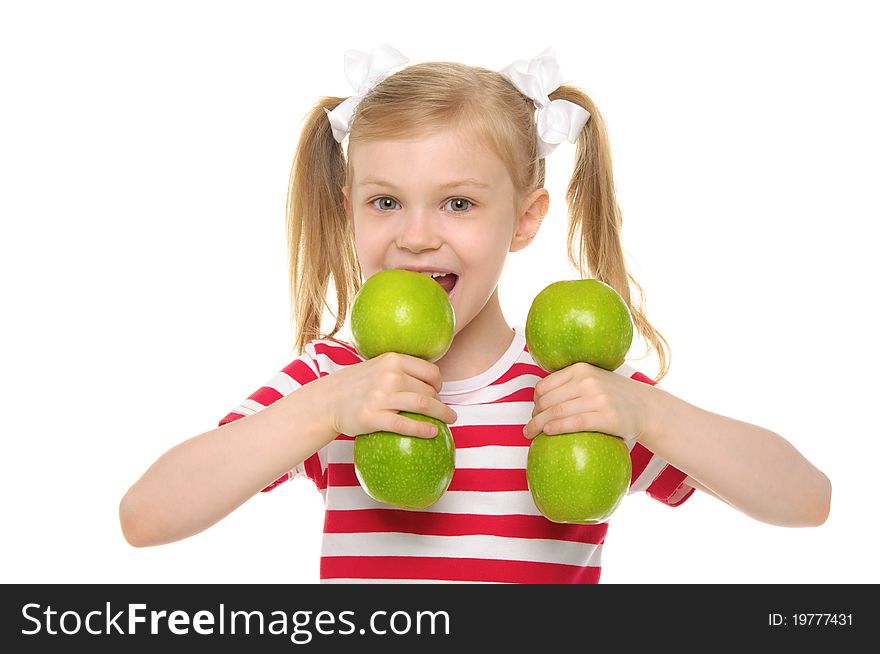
[491, 393]
[311, 363]
[473, 408]
[322, 459]
[345, 498]
[340, 580]
[339, 451]
[489, 456]
[475, 546]
[248, 407]
[505, 413]
[649, 474]
[624, 368]
[283, 383]
[680, 492]
[324, 362]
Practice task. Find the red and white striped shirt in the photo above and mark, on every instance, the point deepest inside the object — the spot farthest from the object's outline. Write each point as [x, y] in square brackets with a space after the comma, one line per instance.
[486, 527]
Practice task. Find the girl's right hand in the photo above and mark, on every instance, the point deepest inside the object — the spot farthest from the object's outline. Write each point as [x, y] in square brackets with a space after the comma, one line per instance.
[367, 396]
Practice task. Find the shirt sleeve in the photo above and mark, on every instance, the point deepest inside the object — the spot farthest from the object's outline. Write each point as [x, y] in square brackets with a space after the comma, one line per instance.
[318, 359]
[650, 473]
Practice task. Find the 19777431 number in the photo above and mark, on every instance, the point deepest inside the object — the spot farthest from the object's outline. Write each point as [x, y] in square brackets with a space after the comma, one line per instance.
[810, 619]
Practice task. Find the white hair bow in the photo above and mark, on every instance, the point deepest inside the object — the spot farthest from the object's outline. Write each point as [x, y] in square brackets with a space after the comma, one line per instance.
[558, 120]
[363, 72]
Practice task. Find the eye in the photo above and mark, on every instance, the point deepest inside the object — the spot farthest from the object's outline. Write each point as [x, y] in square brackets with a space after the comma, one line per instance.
[385, 203]
[460, 205]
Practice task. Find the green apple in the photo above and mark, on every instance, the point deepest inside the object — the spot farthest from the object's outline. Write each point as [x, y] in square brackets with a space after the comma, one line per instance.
[579, 477]
[406, 471]
[402, 311]
[579, 320]
[410, 313]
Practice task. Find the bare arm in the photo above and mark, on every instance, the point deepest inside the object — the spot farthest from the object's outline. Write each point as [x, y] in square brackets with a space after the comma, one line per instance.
[693, 483]
[203, 479]
[754, 470]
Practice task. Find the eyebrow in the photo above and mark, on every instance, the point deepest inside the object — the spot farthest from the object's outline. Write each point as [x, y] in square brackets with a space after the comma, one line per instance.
[372, 181]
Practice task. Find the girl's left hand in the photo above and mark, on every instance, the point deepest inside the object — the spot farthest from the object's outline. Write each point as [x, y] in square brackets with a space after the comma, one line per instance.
[583, 397]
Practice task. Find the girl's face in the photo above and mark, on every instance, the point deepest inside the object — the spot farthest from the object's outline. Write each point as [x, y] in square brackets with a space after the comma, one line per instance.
[441, 203]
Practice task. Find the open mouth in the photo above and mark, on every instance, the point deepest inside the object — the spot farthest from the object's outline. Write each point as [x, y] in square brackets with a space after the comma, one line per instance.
[447, 281]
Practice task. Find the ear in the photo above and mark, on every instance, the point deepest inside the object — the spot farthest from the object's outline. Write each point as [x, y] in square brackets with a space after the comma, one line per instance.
[534, 208]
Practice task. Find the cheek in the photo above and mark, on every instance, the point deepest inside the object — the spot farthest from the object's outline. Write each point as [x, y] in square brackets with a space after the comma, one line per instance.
[487, 249]
[369, 248]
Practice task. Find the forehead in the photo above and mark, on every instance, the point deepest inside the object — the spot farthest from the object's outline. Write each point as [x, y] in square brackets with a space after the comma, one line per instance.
[441, 157]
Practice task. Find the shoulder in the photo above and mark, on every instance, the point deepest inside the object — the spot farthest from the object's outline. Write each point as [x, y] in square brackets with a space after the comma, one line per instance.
[329, 354]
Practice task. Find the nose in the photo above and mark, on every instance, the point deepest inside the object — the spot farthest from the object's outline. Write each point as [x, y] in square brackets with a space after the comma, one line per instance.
[418, 231]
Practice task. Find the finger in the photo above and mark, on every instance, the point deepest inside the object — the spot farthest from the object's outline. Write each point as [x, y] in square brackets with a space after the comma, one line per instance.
[552, 417]
[413, 385]
[590, 421]
[405, 426]
[553, 380]
[423, 370]
[556, 396]
[427, 406]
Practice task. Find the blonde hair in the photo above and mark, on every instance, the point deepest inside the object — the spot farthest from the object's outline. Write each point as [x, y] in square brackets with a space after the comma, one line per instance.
[417, 101]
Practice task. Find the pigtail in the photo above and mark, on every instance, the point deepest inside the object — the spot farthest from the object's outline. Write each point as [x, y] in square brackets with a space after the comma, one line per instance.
[320, 245]
[595, 221]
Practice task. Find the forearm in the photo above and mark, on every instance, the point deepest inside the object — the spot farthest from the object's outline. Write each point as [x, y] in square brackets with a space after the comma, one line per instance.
[751, 468]
[203, 479]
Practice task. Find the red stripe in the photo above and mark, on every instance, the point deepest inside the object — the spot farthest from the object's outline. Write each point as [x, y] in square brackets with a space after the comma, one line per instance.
[482, 435]
[230, 417]
[341, 474]
[455, 569]
[488, 480]
[351, 348]
[300, 372]
[642, 378]
[640, 456]
[518, 370]
[341, 356]
[522, 395]
[275, 483]
[463, 479]
[312, 466]
[429, 523]
[666, 483]
[265, 396]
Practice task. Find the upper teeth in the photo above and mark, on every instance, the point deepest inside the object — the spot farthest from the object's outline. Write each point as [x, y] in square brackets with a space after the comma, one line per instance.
[435, 274]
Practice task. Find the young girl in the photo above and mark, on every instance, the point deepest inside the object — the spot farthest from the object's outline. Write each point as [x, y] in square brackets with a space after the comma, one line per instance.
[444, 173]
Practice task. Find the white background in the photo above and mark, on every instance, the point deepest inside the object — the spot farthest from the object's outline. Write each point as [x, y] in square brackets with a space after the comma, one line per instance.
[145, 150]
